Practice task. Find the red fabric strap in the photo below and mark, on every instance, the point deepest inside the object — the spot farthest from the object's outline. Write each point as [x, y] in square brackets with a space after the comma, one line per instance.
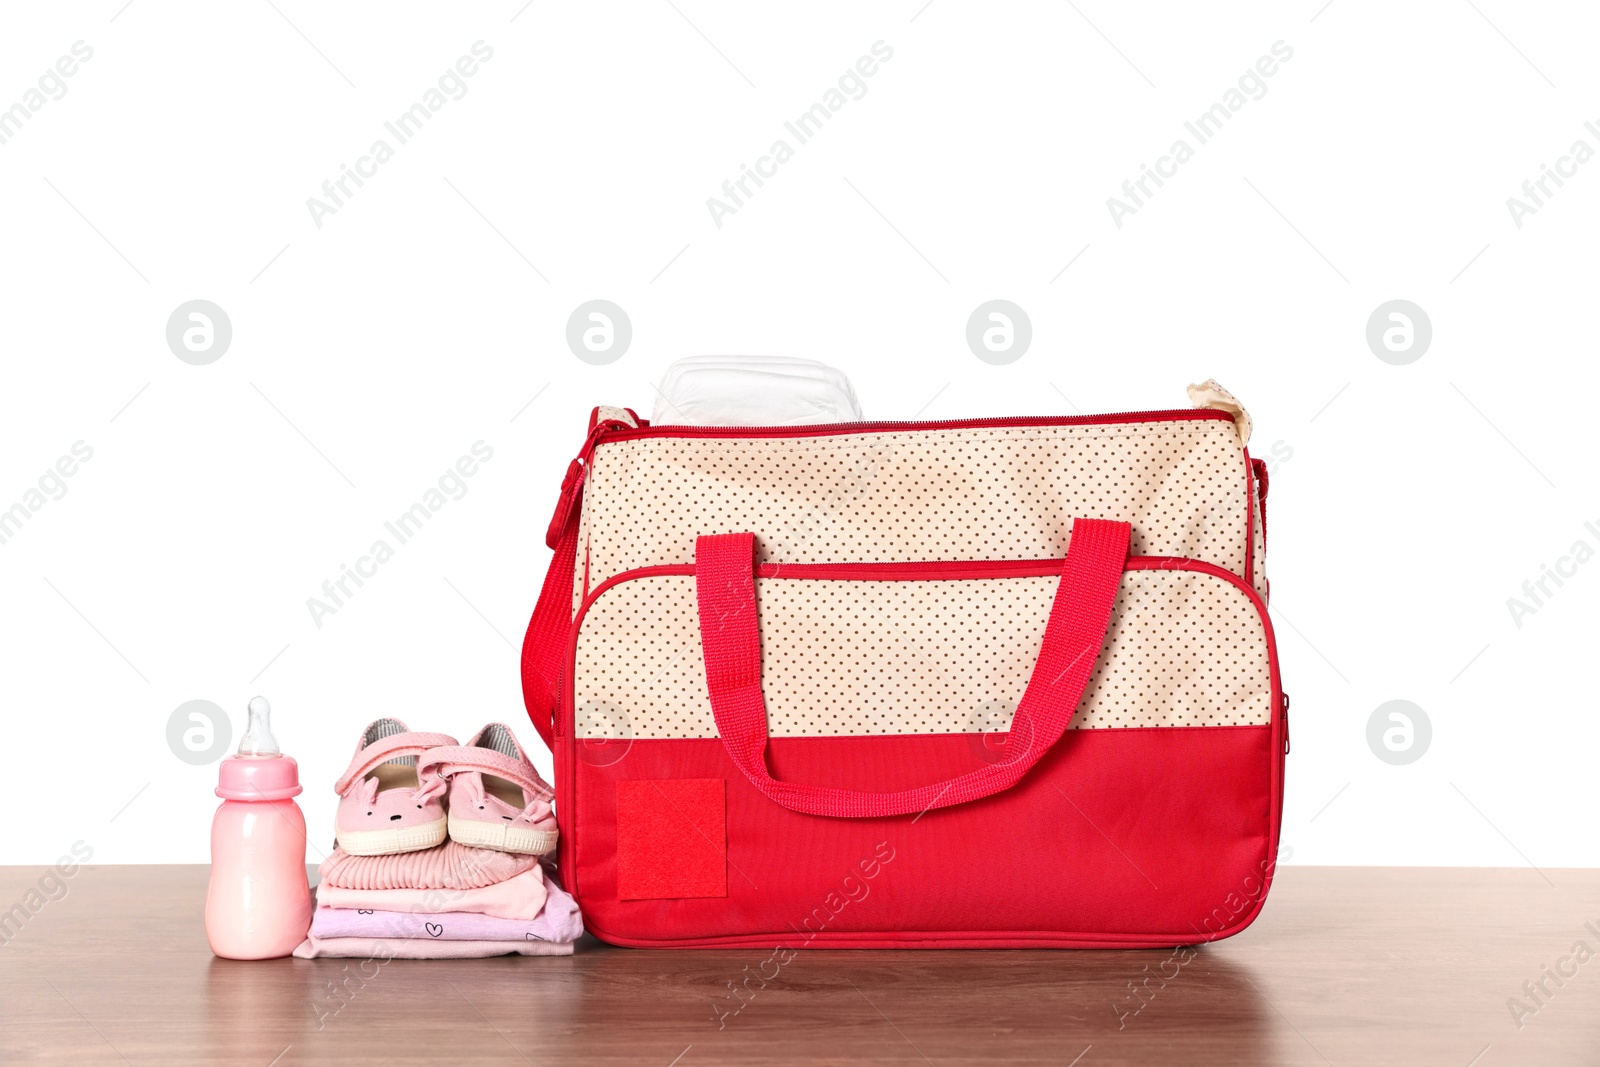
[730, 640]
[1259, 468]
[544, 648]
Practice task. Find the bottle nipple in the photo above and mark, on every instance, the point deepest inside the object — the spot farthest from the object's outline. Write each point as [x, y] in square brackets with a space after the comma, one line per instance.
[258, 742]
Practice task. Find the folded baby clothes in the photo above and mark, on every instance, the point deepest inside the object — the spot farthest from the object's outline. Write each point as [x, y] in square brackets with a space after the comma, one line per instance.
[447, 866]
[526, 915]
[558, 921]
[450, 901]
[368, 948]
[753, 391]
[519, 897]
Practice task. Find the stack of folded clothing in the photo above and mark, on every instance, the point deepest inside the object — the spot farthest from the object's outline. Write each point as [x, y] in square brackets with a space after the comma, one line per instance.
[446, 902]
[438, 854]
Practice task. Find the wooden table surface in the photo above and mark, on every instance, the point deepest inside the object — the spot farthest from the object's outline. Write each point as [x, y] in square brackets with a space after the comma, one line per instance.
[1407, 966]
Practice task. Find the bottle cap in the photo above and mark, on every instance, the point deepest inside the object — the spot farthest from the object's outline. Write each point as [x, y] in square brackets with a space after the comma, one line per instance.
[259, 770]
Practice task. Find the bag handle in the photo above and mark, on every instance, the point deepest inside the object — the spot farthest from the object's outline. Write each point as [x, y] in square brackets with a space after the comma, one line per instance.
[730, 641]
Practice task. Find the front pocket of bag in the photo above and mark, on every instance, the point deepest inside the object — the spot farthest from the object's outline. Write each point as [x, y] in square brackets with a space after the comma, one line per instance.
[884, 677]
[850, 650]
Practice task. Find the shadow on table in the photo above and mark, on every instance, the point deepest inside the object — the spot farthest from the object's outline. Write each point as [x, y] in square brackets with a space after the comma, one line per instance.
[752, 1005]
[1045, 1006]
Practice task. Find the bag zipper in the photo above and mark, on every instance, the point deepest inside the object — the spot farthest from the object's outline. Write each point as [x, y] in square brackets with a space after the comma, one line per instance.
[627, 432]
[617, 430]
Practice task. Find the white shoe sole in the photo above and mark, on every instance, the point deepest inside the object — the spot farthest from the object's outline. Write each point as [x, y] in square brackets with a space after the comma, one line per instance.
[502, 836]
[389, 842]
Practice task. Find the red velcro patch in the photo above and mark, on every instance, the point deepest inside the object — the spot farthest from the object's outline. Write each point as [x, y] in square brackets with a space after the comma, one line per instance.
[672, 838]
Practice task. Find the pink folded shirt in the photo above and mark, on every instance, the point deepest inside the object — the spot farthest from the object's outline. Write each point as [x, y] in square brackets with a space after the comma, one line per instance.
[447, 866]
[520, 897]
[558, 921]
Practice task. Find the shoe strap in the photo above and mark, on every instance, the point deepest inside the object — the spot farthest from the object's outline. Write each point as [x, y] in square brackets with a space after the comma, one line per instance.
[457, 759]
[381, 751]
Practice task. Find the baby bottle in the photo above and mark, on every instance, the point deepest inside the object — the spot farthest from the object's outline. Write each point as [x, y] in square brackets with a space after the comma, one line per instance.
[258, 905]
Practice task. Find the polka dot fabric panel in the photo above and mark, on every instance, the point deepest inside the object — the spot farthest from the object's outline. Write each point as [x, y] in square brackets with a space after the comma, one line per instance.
[967, 493]
[607, 413]
[851, 657]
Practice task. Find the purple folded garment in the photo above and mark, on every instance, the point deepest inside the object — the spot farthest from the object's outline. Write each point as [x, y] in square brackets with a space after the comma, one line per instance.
[557, 922]
[367, 948]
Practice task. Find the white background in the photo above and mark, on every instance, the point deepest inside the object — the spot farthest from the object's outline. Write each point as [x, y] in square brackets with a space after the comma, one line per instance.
[1411, 501]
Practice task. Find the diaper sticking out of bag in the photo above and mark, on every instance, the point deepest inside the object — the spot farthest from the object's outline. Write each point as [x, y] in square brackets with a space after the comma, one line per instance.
[753, 391]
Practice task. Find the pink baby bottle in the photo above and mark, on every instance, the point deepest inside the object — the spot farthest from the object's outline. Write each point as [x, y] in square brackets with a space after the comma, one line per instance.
[258, 905]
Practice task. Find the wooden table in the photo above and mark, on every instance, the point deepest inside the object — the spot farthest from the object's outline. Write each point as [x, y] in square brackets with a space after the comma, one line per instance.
[1406, 966]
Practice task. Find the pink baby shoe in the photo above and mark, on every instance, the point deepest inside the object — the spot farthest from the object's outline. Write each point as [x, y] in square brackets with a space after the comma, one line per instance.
[497, 799]
[387, 802]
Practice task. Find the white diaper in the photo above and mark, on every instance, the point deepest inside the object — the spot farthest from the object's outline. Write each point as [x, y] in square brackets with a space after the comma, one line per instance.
[753, 391]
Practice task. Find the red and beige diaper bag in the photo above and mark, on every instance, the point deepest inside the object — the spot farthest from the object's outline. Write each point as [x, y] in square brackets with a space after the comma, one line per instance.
[979, 683]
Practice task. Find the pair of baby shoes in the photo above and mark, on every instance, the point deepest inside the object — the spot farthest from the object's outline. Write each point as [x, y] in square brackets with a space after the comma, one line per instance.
[405, 791]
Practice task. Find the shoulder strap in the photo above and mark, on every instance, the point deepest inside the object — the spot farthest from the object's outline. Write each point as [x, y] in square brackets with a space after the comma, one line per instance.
[544, 649]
